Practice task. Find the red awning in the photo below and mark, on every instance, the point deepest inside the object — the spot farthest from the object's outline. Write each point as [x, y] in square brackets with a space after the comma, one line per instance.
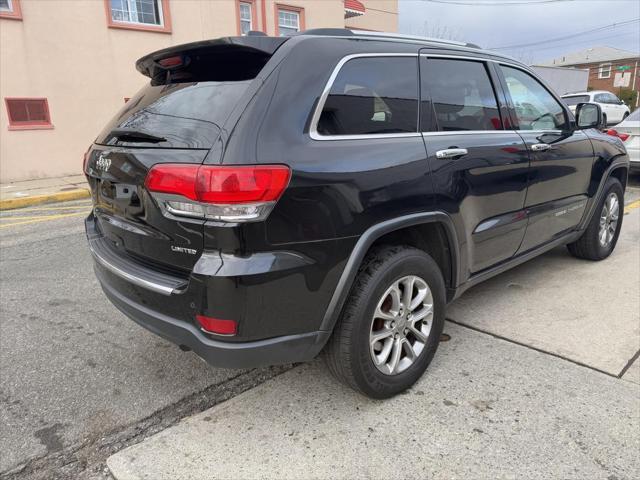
[353, 8]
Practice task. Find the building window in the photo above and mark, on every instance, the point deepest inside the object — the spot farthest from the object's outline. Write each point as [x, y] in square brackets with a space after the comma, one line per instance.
[28, 113]
[10, 9]
[152, 15]
[245, 13]
[605, 70]
[289, 20]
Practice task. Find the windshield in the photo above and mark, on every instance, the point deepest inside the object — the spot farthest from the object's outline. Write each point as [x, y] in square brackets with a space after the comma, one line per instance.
[181, 115]
[635, 116]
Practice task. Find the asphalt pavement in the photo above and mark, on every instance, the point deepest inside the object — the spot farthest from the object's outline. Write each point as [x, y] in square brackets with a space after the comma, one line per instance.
[79, 381]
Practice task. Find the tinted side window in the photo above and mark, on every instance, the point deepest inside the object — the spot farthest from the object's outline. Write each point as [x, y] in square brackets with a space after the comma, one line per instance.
[600, 98]
[372, 95]
[535, 107]
[461, 94]
[611, 98]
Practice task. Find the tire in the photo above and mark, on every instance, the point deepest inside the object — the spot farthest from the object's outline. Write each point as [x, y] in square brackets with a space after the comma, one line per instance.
[624, 117]
[604, 119]
[589, 245]
[349, 353]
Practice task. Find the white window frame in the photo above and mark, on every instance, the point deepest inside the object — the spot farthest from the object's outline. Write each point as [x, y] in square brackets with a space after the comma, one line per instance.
[604, 67]
[249, 6]
[132, 10]
[9, 8]
[288, 27]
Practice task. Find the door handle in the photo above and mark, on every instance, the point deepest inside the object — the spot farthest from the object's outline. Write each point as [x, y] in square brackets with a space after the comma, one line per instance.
[540, 147]
[451, 153]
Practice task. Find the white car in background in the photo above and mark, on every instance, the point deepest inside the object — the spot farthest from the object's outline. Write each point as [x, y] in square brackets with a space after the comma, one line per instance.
[614, 108]
[629, 132]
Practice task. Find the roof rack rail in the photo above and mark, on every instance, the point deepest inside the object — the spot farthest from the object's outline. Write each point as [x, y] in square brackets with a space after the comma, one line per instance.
[369, 33]
[331, 32]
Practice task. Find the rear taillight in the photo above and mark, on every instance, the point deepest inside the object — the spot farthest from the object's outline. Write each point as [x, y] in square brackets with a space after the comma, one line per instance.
[224, 193]
[171, 62]
[615, 133]
[85, 160]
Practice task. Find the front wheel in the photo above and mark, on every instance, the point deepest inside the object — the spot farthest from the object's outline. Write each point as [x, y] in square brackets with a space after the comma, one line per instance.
[600, 238]
[390, 327]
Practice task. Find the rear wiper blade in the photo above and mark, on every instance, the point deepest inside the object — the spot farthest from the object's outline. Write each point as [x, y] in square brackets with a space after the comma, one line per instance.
[133, 135]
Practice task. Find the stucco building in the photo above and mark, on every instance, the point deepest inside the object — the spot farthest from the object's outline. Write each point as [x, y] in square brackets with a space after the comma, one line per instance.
[66, 66]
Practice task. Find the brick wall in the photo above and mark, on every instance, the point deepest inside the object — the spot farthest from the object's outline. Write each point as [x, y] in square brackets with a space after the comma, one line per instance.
[597, 83]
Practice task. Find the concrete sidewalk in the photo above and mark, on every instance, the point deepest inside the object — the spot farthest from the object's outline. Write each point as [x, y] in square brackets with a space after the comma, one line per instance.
[43, 190]
[583, 311]
[486, 409]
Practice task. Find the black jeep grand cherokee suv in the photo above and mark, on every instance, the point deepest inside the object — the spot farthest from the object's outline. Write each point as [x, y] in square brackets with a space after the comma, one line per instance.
[263, 199]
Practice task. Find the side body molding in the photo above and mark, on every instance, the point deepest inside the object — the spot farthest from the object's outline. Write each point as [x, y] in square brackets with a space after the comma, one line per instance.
[364, 243]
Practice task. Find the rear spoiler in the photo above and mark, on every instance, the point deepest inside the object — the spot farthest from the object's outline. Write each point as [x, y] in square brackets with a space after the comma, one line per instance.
[194, 61]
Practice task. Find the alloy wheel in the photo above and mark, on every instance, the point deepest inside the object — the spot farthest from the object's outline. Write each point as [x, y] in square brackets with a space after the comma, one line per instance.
[401, 325]
[609, 220]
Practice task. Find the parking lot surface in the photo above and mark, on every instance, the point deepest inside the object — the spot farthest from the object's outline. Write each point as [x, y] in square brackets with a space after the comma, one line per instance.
[80, 382]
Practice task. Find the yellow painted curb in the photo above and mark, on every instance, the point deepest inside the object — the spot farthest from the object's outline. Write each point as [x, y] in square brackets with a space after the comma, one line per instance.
[631, 206]
[11, 203]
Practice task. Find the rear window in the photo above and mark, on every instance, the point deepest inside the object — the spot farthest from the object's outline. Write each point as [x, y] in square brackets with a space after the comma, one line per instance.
[372, 95]
[635, 116]
[191, 94]
[575, 100]
[180, 115]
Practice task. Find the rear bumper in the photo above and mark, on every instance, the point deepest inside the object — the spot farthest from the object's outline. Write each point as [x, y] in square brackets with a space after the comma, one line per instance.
[273, 351]
[252, 289]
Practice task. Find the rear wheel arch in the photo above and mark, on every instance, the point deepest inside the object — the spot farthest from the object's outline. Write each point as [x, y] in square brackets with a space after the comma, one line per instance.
[430, 237]
[621, 173]
[440, 242]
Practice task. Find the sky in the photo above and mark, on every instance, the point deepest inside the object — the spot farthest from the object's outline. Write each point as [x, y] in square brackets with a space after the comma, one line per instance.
[512, 23]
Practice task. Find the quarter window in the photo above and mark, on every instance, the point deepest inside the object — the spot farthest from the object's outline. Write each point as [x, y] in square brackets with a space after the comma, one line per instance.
[372, 95]
[288, 22]
[28, 113]
[535, 107]
[605, 70]
[245, 18]
[461, 95]
[140, 12]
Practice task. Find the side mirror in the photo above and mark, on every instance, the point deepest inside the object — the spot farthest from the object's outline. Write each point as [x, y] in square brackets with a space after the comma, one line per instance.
[589, 115]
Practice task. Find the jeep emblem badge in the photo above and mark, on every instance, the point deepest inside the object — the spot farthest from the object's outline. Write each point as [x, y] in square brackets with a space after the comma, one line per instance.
[103, 163]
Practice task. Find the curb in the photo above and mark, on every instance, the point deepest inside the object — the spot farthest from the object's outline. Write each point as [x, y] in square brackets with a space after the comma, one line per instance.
[12, 203]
